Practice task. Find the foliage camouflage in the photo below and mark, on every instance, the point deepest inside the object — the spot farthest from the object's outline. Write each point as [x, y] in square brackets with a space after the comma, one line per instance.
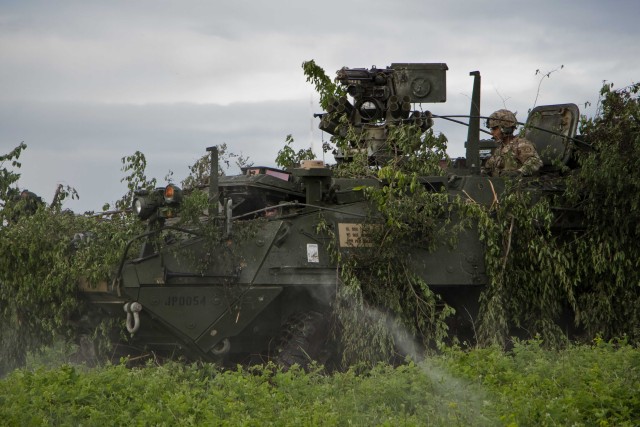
[535, 274]
[42, 257]
[606, 258]
[289, 158]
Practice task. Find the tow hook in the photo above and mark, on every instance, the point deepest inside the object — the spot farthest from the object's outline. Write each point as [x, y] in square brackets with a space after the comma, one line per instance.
[133, 310]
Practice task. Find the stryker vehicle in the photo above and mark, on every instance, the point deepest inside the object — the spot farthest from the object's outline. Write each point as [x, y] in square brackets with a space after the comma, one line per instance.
[269, 296]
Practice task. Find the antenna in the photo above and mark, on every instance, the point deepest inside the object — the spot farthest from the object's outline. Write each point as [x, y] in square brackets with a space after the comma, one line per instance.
[311, 119]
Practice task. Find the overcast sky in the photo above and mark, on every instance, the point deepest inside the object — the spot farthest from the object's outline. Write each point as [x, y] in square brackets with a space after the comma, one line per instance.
[85, 83]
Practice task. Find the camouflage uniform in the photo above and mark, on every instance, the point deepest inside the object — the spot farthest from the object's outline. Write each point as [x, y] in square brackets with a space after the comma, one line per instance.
[518, 156]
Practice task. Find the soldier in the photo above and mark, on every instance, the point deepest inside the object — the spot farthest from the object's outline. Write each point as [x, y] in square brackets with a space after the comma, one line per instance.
[514, 156]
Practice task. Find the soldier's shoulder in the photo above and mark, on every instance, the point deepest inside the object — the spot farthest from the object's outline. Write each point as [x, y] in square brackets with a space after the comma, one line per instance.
[522, 140]
[524, 147]
[523, 144]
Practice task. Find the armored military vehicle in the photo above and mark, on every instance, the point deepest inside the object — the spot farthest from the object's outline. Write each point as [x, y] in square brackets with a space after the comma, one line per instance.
[261, 285]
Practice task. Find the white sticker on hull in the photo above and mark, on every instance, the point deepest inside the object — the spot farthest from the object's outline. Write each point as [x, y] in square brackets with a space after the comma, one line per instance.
[312, 252]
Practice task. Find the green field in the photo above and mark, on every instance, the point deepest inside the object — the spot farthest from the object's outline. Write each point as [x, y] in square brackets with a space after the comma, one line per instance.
[581, 385]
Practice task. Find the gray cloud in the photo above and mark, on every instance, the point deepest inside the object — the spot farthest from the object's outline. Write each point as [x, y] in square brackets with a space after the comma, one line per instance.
[81, 145]
[86, 83]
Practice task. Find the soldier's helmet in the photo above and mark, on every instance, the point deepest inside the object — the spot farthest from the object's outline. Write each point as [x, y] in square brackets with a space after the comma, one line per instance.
[504, 119]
